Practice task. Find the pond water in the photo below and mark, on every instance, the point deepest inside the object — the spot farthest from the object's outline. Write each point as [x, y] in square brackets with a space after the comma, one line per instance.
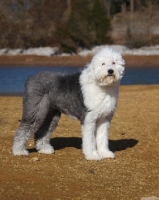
[12, 79]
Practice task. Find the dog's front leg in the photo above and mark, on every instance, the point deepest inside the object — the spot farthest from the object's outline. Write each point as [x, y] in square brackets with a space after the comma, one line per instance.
[88, 138]
[102, 133]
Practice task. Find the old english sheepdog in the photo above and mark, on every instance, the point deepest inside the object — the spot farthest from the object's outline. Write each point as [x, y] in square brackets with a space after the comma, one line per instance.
[89, 96]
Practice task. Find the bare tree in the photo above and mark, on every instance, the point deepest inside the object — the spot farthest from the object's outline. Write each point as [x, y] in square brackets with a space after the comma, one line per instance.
[68, 2]
[141, 27]
[150, 9]
[123, 7]
[132, 6]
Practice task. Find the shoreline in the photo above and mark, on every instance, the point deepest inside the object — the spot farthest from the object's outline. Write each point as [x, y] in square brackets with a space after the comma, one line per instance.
[73, 61]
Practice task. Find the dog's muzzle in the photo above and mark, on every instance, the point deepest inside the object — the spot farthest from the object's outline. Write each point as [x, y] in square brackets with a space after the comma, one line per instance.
[109, 78]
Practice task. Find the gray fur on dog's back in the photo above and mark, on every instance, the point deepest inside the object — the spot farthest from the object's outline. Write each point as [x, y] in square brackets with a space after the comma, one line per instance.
[56, 87]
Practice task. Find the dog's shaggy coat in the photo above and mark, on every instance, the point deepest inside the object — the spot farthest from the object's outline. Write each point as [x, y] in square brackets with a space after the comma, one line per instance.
[89, 96]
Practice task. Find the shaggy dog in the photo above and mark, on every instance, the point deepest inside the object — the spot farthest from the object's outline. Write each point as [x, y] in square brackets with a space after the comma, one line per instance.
[89, 96]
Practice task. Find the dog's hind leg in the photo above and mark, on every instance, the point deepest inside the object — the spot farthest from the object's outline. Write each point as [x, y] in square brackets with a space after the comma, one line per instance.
[42, 136]
[21, 137]
[35, 112]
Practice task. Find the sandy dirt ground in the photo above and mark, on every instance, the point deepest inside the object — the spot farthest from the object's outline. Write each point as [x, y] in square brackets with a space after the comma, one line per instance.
[133, 174]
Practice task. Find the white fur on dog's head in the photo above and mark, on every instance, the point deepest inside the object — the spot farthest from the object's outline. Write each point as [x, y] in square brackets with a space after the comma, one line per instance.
[107, 67]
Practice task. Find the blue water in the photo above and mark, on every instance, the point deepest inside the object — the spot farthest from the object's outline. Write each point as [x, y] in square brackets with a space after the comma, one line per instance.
[12, 79]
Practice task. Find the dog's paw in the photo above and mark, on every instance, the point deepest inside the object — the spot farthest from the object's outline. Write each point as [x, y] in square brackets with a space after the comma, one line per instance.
[47, 150]
[93, 156]
[23, 152]
[107, 154]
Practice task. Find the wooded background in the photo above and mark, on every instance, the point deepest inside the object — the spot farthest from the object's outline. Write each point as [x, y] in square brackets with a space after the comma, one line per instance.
[74, 24]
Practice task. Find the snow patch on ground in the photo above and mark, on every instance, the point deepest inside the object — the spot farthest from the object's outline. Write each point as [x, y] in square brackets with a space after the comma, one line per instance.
[52, 51]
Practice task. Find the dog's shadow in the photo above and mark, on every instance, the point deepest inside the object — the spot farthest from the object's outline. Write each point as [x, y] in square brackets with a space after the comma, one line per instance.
[76, 142]
[120, 145]
[63, 142]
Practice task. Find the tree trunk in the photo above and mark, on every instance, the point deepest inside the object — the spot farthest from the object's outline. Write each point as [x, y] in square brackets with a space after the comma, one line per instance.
[123, 7]
[132, 6]
[68, 2]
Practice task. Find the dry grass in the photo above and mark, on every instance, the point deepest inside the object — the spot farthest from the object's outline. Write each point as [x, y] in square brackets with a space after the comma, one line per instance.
[134, 137]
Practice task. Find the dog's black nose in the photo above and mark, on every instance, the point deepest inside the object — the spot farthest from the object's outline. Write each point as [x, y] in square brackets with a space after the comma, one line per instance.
[110, 71]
